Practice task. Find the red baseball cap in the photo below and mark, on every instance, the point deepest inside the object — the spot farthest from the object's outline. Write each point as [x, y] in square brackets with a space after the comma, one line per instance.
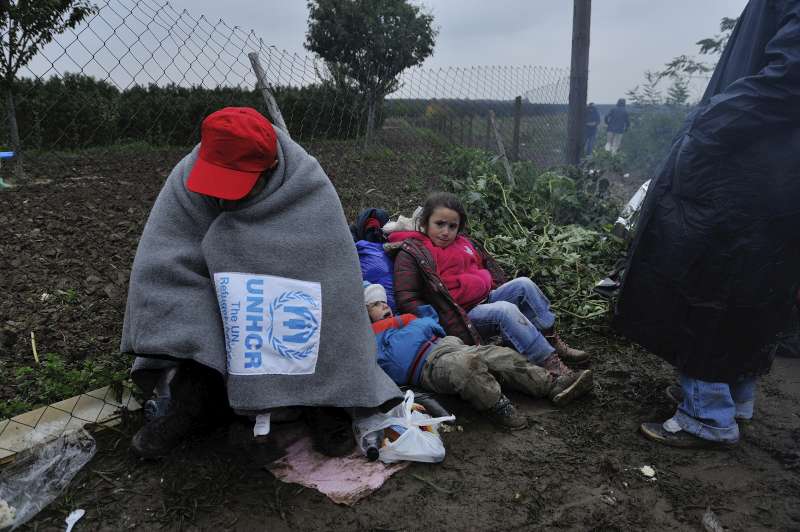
[236, 145]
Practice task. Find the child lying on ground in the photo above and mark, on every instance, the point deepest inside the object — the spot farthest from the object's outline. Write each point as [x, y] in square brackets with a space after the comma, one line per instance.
[414, 350]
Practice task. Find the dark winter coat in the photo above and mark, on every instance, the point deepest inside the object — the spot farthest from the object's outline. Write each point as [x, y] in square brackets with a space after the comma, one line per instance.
[592, 120]
[362, 229]
[617, 120]
[416, 283]
[716, 258]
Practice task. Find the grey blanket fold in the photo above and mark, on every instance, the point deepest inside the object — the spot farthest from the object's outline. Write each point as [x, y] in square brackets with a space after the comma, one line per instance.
[275, 279]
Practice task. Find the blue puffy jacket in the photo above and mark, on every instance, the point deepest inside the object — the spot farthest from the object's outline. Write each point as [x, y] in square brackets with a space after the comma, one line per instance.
[377, 267]
[402, 352]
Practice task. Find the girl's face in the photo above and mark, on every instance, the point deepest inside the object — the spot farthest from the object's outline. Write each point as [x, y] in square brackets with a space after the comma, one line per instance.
[442, 226]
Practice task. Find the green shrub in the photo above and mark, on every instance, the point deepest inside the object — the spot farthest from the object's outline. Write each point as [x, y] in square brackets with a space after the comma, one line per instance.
[54, 379]
[323, 111]
[550, 227]
[648, 141]
[76, 111]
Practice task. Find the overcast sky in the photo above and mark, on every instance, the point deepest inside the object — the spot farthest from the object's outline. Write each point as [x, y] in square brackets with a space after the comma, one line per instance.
[628, 36]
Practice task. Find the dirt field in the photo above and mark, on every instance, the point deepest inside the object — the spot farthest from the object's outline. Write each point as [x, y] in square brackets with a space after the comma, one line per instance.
[575, 468]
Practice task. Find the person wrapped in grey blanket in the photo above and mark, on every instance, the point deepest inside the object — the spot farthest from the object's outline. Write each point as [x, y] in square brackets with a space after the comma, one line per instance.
[245, 288]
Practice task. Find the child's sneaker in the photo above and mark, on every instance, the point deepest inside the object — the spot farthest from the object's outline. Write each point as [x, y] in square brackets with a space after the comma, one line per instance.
[567, 384]
[505, 414]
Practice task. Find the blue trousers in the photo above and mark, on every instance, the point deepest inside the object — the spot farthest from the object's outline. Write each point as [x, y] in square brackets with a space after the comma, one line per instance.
[710, 409]
[589, 142]
[517, 310]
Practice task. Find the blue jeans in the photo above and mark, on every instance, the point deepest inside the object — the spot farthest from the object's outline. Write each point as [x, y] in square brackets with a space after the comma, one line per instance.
[589, 142]
[710, 409]
[517, 310]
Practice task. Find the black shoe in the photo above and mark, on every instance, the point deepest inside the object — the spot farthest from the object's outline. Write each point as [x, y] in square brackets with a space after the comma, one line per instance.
[331, 430]
[159, 436]
[681, 439]
[198, 404]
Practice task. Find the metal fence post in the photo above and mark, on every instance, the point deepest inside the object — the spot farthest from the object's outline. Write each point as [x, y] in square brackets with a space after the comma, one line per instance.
[517, 120]
[578, 79]
[488, 143]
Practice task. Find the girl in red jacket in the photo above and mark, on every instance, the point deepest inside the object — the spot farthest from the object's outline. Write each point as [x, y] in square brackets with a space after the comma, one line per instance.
[441, 267]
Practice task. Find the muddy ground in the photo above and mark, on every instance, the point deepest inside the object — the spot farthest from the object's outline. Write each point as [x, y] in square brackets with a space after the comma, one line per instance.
[576, 468]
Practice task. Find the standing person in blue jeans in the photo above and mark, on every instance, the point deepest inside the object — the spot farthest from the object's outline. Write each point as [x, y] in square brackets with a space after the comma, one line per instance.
[441, 267]
[712, 273]
[590, 132]
[618, 122]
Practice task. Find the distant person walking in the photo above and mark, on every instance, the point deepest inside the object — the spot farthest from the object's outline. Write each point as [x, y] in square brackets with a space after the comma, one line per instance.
[592, 120]
[618, 123]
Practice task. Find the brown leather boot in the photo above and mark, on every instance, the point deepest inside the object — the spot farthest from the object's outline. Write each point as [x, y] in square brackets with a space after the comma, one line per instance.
[568, 355]
[566, 384]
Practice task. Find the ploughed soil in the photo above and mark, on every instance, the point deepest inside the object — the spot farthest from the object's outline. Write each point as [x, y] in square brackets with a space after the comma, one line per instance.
[73, 235]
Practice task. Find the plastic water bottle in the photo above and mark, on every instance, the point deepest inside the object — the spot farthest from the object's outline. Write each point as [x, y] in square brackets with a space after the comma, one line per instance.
[371, 444]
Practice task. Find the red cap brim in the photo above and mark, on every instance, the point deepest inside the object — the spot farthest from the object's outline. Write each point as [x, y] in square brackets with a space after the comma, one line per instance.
[220, 182]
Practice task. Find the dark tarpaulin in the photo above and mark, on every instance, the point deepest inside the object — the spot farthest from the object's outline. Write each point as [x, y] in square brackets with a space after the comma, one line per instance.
[716, 258]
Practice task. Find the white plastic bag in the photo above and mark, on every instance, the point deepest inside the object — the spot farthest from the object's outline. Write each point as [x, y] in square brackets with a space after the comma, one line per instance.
[630, 213]
[414, 444]
[39, 476]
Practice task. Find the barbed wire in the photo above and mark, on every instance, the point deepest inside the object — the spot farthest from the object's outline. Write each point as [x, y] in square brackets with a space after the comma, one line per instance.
[142, 70]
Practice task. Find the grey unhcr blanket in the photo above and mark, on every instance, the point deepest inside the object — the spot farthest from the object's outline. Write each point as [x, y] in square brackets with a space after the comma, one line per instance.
[275, 279]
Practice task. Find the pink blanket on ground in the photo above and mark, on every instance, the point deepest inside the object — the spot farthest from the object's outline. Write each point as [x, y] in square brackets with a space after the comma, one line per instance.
[344, 480]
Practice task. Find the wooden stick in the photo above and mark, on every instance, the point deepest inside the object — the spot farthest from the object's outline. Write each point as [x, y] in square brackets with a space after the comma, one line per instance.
[501, 149]
[272, 105]
[33, 348]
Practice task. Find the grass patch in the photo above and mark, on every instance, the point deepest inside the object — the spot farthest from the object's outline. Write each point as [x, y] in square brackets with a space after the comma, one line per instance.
[55, 379]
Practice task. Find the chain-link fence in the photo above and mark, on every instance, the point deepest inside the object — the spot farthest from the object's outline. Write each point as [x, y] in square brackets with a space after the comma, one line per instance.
[97, 408]
[144, 71]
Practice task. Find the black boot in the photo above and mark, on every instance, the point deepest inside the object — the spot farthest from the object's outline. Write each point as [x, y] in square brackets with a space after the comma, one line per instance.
[505, 414]
[331, 430]
[198, 404]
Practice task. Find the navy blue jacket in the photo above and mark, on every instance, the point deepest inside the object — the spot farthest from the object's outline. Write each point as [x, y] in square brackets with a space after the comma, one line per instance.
[617, 120]
[592, 117]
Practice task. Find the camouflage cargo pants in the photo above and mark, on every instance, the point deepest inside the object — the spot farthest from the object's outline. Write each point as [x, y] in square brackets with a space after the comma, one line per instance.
[476, 372]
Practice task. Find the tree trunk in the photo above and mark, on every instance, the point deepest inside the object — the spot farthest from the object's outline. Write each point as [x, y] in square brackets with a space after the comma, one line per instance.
[370, 119]
[13, 134]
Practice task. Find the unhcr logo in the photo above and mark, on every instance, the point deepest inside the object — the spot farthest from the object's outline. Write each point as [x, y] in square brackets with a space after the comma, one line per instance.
[292, 324]
[272, 324]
